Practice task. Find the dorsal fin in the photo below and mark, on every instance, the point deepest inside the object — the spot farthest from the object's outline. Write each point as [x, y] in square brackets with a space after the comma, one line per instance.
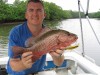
[31, 41]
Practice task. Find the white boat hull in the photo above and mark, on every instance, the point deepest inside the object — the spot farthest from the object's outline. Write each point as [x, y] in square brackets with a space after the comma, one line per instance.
[74, 61]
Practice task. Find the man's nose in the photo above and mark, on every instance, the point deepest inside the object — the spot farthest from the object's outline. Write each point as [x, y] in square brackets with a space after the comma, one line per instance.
[35, 13]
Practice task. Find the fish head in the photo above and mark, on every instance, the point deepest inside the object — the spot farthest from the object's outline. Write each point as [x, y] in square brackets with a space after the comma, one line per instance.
[66, 38]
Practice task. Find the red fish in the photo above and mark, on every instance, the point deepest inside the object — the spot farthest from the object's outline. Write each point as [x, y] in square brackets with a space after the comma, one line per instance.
[51, 40]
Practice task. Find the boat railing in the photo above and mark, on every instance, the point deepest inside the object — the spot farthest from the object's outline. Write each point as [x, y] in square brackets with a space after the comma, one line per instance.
[81, 26]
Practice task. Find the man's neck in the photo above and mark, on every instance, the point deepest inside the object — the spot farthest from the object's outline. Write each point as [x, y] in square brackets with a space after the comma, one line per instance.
[35, 29]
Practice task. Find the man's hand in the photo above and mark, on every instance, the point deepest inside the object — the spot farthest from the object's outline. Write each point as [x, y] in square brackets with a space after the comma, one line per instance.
[56, 53]
[25, 62]
[57, 56]
[27, 59]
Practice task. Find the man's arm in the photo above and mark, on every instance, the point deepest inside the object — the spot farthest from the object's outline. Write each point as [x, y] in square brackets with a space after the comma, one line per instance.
[57, 56]
[25, 62]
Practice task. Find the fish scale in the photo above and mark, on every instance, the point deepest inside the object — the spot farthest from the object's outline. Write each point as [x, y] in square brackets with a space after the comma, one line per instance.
[51, 40]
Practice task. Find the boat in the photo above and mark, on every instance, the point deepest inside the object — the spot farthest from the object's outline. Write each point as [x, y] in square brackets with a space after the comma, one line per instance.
[75, 63]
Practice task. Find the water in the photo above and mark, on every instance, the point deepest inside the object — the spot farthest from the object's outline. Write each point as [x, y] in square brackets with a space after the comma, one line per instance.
[91, 46]
[4, 32]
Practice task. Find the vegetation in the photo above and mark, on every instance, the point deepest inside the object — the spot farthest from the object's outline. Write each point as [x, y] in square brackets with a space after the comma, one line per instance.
[95, 15]
[16, 11]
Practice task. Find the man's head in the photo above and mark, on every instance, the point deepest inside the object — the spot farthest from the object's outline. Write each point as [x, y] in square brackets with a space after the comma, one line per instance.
[35, 13]
[36, 1]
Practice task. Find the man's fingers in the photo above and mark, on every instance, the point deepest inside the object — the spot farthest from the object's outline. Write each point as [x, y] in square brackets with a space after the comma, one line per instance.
[59, 51]
[29, 61]
[26, 54]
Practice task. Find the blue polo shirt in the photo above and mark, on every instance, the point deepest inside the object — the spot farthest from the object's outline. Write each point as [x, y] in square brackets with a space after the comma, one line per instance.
[17, 37]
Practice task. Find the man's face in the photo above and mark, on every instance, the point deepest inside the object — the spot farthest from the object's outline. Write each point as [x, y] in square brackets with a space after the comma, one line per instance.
[35, 13]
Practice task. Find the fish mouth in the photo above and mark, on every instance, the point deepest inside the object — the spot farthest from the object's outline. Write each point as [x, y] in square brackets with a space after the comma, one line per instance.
[69, 45]
[72, 46]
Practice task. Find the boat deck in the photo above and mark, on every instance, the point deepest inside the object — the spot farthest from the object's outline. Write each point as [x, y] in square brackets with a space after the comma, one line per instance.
[76, 65]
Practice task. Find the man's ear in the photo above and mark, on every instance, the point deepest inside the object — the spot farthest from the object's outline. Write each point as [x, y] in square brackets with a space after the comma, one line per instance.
[44, 15]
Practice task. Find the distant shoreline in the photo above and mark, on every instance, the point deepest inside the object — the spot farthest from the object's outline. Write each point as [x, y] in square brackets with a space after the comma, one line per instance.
[11, 23]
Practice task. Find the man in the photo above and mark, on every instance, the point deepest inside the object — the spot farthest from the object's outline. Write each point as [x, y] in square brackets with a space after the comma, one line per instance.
[23, 65]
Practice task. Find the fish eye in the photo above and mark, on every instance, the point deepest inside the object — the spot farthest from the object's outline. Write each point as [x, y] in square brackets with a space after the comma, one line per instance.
[68, 34]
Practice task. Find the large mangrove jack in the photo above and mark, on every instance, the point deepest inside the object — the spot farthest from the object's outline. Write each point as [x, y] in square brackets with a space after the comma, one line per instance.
[51, 40]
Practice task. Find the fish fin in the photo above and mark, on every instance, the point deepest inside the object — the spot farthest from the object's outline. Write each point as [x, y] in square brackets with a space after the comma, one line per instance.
[17, 50]
[30, 42]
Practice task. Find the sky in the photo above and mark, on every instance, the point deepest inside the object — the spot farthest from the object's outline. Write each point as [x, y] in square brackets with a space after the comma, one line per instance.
[94, 5]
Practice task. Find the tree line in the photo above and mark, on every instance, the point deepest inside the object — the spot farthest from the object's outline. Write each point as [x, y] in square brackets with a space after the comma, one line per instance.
[16, 11]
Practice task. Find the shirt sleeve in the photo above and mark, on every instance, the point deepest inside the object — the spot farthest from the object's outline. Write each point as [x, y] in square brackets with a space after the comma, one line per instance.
[13, 41]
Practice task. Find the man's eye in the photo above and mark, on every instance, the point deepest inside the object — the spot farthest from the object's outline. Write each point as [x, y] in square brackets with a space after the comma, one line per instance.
[39, 10]
[30, 10]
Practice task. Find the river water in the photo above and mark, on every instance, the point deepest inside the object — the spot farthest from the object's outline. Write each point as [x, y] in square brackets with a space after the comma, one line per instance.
[91, 46]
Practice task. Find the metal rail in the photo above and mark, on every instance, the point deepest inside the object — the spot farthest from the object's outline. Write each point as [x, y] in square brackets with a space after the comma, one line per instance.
[86, 15]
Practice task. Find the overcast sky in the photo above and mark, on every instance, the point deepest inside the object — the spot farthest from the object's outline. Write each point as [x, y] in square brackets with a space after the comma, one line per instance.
[94, 5]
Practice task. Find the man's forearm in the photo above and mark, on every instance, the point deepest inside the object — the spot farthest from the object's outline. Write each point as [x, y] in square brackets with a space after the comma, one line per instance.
[17, 65]
[58, 60]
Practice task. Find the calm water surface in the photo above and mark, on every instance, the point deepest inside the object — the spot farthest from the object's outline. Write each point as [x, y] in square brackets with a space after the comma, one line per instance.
[91, 46]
